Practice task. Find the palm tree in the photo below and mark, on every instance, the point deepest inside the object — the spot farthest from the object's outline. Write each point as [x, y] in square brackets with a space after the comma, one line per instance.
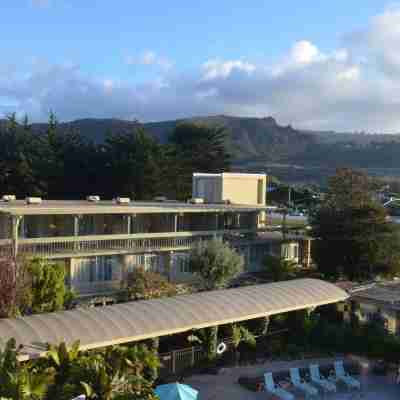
[62, 360]
[241, 334]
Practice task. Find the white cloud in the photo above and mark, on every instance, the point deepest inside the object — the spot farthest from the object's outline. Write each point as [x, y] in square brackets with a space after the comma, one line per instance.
[149, 57]
[304, 52]
[214, 69]
[40, 3]
[353, 87]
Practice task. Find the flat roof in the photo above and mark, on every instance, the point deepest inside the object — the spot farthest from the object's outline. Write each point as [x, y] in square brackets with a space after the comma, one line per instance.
[229, 175]
[19, 207]
[134, 321]
[387, 294]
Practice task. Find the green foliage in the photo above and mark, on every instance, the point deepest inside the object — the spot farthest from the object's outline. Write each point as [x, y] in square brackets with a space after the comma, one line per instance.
[369, 340]
[193, 148]
[135, 162]
[47, 285]
[241, 334]
[21, 382]
[209, 339]
[107, 374]
[57, 161]
[216, 263]
[143, 285]
[352, 231]
[277, 268]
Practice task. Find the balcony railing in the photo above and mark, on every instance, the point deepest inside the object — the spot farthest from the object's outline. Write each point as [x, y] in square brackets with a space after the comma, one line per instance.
[6, 247]
[63, 247]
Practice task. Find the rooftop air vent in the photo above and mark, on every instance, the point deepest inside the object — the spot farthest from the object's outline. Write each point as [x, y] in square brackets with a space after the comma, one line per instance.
[93, 198]
[9, 197]
[196, 200]
[33, 200]
[160, 198]
[122, 200]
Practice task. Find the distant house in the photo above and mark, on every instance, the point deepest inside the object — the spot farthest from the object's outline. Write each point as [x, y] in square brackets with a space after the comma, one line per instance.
[379, 302]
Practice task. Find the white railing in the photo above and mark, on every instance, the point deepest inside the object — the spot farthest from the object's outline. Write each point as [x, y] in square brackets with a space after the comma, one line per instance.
[58, 247]
[6, 247]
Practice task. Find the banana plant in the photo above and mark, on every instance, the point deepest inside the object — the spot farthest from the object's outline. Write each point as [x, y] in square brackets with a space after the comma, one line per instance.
[26, 384]
[62, 359]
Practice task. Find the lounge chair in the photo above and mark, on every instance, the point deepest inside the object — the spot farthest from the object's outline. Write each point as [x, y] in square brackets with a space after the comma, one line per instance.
[316, 378]
[298, 383]
[343, 376]
[276, 390]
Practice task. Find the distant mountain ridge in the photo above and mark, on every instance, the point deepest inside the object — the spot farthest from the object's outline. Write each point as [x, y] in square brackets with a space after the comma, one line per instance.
[262, 140]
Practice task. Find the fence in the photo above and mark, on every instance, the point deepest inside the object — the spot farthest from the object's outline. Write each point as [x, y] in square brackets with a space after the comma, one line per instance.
[176, 361]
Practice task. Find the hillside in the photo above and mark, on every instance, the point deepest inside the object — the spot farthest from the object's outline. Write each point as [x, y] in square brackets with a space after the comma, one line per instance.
[262, 144]
[248, 138]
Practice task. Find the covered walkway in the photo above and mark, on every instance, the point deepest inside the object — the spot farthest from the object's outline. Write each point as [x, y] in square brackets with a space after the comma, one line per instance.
[133, 321]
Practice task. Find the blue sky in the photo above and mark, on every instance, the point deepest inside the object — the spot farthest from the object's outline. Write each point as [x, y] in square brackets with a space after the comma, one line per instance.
[167, 59]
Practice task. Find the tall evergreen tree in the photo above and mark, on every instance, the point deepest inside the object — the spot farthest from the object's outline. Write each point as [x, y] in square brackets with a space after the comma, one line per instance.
[195, 148]
[352, 230]
[134, 164]
[17, 174]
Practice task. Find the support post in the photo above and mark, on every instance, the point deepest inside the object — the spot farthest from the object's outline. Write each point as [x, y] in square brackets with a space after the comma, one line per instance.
[266, 325]
[15, 220]
[173, 361]
[76, 225]
[175, 222]
[128, 224]
[76, 231]
[216, 226]
[193, 360]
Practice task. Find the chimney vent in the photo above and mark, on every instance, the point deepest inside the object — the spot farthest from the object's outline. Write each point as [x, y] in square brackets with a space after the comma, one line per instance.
[196, 200]
[122, 200]
[93, 198]
[9, 197]
[33, 200]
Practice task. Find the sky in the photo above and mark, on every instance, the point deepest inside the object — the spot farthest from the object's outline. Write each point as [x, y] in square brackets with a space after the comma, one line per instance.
[315, 65]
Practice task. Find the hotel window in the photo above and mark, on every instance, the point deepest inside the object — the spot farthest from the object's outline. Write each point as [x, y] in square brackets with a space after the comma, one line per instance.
[296, 250]
[93, 269]
[182, 262]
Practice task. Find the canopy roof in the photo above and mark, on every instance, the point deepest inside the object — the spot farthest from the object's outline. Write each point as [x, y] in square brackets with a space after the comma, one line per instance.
[133, 321]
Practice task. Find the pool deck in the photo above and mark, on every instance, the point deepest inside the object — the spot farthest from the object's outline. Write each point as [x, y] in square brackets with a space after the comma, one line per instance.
[224, 386]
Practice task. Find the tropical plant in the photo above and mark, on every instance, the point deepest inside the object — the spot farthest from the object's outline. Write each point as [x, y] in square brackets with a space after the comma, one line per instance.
[240, 334]
[62, 359]
[21, 381]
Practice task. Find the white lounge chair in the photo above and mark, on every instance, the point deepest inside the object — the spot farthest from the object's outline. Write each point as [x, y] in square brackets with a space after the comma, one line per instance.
[274, 389]
[298, 383]
[316, 378]
[343, 376]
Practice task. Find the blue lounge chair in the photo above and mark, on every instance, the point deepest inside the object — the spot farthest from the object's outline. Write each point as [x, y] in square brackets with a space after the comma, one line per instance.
[343, 376]
[316, 378]
[274, 389]
[300, 384]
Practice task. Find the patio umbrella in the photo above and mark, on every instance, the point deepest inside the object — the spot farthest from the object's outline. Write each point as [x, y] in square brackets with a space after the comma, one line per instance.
[176, 391]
